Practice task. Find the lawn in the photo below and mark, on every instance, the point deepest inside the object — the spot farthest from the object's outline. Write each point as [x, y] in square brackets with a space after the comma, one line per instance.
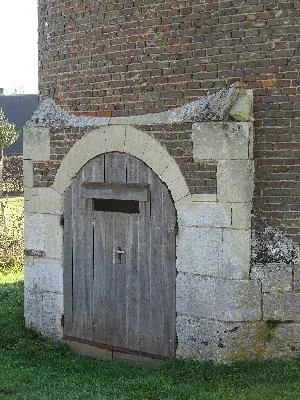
[37, 369]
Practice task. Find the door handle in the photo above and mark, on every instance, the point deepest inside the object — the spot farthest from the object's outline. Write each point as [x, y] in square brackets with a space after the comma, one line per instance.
[120, 252]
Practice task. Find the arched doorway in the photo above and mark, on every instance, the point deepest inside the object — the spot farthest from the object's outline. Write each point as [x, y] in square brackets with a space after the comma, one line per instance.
[119, 259]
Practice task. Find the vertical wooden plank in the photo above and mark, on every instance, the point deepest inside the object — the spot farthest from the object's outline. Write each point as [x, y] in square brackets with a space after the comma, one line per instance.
[83, 253]
[104, 278]
[157, 295]
[115, 171]
[68, 264]
[115, 167]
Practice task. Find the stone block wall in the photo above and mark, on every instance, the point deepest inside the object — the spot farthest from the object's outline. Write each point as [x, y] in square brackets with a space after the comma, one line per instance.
[226, 309]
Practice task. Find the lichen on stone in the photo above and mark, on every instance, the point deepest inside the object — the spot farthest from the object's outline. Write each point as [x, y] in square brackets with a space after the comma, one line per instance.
[214, 107]
[49, 114]
[271, 246]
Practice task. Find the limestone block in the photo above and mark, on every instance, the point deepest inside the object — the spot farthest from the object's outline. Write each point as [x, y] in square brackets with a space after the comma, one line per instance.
[224, 300]
[235, 181]
[35, 232]
[281, 306]
[175, 182]
[52, 314]
[296, 278]
[54, 232]
[28, 173]
[43, 275]
[229, 342]
[43, 200]
[221, 140]
[241, 110]
[33, 309]
[115, 138]
[273, 277]
[36, 143]
[236, 253]
[195, 337]
[241, 215]
[204, 197]
[156, 156]
[135, 142]
[256, 340]
[199, 251]
[205, 214]
[44, 233]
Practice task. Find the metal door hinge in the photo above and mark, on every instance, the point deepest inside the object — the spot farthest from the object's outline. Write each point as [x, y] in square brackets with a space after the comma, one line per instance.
[62, 220]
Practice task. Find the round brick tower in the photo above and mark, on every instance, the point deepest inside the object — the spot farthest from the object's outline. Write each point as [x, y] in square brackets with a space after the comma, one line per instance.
[136, 57]
[141, 66]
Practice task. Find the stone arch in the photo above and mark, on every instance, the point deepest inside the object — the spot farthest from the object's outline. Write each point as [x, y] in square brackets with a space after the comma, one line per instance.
[125, 139]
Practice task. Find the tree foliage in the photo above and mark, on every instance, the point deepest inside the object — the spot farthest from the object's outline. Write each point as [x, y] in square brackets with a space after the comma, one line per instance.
[8, 132]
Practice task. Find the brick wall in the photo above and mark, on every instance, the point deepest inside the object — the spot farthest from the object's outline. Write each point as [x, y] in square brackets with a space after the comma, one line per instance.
[201, 178]
[133, 57]
[12, 176]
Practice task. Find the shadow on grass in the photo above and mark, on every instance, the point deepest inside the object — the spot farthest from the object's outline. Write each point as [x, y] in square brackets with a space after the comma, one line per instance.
[34, 368]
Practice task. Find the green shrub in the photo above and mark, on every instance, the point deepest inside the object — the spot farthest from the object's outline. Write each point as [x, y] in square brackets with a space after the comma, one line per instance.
[11, 231]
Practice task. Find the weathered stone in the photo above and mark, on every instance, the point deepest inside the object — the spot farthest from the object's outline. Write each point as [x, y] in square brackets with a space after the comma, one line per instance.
[44, 233]
[35, 232]
[156, 156]
[236, 253]
[236, 341]
[273, 277]
[175, 182]
[115, 138]
[225, 300]
[43, 200]
[36, 143]
[296, 278]
[135, 142]
[43, 312]
[241, 215]
[235, 181]
[221, 141]
[270, 245]
[45, 275]
[241, 110]
[33, 309]
[195, 337]
[204, 197]
[204, 214]
[28, 173]
[54, 243]
[256, 340]
[49, 114]
[281, 306]
[199, 251]
[52, 314]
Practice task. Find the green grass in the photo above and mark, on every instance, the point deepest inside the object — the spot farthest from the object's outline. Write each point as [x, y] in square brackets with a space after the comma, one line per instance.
[36, 369]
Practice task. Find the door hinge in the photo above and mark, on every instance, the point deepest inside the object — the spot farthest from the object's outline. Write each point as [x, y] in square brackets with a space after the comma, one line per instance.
[62, 220]
[62, 320]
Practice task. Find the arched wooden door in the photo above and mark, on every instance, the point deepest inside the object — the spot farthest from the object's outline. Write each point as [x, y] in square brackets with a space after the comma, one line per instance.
[119, 259]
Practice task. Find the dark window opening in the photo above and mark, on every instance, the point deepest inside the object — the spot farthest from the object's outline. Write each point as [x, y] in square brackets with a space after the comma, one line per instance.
[121, 206]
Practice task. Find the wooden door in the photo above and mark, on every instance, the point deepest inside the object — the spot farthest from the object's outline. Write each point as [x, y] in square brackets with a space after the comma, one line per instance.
[119, 259]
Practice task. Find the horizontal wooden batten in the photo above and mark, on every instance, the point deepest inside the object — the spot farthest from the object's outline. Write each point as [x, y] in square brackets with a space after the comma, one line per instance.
[115, 191]
[113, 349]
